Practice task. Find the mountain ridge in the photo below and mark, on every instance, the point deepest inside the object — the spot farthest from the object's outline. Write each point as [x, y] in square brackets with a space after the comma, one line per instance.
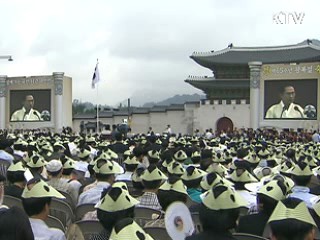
[176, 99]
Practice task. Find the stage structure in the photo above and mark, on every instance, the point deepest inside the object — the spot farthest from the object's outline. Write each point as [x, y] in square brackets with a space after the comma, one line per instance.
[257, 73]
[304, 79]
[36, 102]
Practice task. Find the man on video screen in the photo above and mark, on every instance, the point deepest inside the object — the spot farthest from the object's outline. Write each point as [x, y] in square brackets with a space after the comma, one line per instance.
[286, 108]
[27, 113]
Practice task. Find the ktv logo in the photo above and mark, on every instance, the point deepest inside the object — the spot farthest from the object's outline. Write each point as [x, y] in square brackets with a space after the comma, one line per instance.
[288, 17]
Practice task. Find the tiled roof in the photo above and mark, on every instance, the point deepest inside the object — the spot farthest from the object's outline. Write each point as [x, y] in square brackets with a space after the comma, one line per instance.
[105, 114]
[133, 110]
[302, 52]
[219, 83]
[176, 107]
[84, 116]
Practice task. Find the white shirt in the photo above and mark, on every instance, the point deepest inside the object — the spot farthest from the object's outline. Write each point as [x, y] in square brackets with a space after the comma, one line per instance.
[124, 177]
[278, 111]
[6, 156]
[21, 115]
[41, 231]
[93, 194]
[250, 197]
[316, 137]
[209, 135]
[303, 194]
[63, 184]
[20, 153]
[81, 166]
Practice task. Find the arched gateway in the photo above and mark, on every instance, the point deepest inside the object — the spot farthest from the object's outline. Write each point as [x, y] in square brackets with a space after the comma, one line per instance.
[224, 124]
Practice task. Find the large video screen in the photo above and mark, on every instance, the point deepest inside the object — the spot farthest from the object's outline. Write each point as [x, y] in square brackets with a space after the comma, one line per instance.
[291, 99]
[30, 105]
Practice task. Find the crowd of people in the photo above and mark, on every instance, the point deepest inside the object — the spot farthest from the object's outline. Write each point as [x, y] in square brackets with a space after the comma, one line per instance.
[244, 181]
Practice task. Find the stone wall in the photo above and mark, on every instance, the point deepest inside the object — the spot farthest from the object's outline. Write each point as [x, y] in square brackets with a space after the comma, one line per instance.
[194, 116]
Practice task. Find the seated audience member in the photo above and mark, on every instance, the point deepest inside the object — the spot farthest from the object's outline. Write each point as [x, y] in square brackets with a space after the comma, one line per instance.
[316, 189]
[261, 172]
[138, 152]
[92, 215]
[301, 175]
[54, 170]
[91, 145]
[175, 169]
[171, 191]
[69, 173]
[130, 165]
[88, 181]
[218, 158]
[291, 220]
[82, 164]
[211, 179]
[14, 223]
[284, 168]
[195, 158]
[192, 178]
[36, 165]
[58, 150]
[194, 143]
[180, 156]
[315, 212]
[188, 151]
[264, 155]
[36, 199]
[153, 157]
[206, 159]
[116, 205]
[20, 148]
[15, 175]
[105, 173]
[137, 182]
[4, 153]
[46, 151]
[113, 156]
[152, 178]
[240, 177]
[267, 199]
[127, 228]
[218, 213]
[68, 167]
[118, 146]
[217, 168]
[127, 154]
[166, 161]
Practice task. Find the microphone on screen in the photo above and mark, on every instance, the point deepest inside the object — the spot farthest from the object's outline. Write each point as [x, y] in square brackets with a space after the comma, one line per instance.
[298, 110]
[35, 113]
[310, 111]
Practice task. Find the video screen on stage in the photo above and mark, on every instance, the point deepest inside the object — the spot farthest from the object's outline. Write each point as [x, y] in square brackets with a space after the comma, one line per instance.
[30, 105]
[290, 99]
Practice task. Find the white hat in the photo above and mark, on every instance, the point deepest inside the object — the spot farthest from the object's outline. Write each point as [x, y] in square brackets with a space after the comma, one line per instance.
[54, 166]
[81, 166]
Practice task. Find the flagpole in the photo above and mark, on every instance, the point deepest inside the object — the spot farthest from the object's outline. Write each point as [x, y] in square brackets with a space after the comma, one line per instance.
[97, 111]
[98, 130]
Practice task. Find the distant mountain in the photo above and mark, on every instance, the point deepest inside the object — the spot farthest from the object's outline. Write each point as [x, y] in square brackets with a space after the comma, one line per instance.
[177, 99]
